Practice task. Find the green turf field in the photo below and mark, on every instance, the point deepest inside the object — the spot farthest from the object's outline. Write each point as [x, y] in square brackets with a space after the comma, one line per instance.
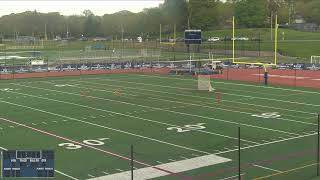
[91, 122]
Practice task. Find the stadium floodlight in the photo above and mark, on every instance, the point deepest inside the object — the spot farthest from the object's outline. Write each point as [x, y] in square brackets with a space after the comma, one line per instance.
[174, 37]
[315, 60]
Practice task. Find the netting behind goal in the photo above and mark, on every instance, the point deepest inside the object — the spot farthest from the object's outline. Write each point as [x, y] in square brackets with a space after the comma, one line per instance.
[204, 83]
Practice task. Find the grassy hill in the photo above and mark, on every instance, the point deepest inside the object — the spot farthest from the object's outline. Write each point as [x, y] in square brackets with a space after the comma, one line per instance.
[291, 43]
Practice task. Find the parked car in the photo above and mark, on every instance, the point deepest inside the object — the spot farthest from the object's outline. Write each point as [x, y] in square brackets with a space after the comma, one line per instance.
[57, 38]
[99, 39]
[313, 67]
[139, 39]
[83, 38]
[240, 39]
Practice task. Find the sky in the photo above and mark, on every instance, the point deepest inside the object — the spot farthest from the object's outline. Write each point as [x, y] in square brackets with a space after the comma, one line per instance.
[76, 7]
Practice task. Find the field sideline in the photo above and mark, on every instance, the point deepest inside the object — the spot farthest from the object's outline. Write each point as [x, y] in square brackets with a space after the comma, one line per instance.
[92, 120]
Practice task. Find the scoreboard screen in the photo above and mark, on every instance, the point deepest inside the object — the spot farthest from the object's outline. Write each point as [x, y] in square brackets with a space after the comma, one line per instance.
[192, 37]
[33, 164]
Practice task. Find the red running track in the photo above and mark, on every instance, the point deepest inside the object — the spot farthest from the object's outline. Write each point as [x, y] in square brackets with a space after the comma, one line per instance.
[297, 78]
[80, 72]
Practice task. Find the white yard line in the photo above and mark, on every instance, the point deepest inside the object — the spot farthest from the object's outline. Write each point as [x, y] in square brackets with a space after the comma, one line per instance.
[268, 143]
[240, 112]
[262, 98]
[177, 167]
[189, 95]
[157, 170]
[66, 175]
[149, 120]
[231, 177]
[240, 84]
[92, 147]
[181, 94]
[106, 127]
[175, 112]
[97, 125]
[91, 176]
[199, 105]
[263, 167]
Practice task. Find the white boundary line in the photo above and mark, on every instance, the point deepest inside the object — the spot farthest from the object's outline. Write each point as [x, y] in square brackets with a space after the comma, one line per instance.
[64, 174]
[92, 147]
[105, 127]
[263, 167]
[268, 143]
[181, 113]
[59, 172]
[97, 125]
[240, 84]
[172, 87]
[186, 103]
[178, 94]
[235, 176]
[144, 119]
[186, 95]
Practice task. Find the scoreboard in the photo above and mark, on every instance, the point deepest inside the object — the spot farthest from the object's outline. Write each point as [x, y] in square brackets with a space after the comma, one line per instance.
[16, 163]
[192, 37]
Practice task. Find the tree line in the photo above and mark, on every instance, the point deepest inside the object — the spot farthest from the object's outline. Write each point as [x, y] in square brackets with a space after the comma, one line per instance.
[194, 14]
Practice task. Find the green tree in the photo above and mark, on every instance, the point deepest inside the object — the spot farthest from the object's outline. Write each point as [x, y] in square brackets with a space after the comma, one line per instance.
[92, 24]
[251, 13]
[204, 14]
[310, 10]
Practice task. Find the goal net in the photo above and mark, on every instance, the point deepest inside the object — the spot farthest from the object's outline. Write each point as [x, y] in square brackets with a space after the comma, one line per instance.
[315, 60]
[204, 83]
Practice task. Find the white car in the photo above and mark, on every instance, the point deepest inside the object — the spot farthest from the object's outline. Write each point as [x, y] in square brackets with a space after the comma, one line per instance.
[139, 39]
[313, 68]
[240, 39]
[213, 39]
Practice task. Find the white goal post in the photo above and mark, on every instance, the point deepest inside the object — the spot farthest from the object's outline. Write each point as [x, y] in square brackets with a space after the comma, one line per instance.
[315, 59]
[204, 83]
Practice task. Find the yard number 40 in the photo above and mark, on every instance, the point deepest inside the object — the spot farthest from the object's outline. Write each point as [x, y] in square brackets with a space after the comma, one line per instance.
[187, 128]
[267, 115]
[90, 142]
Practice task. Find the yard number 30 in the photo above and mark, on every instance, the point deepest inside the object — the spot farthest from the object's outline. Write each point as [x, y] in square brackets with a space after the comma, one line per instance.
[187, 128]
[90, 142]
